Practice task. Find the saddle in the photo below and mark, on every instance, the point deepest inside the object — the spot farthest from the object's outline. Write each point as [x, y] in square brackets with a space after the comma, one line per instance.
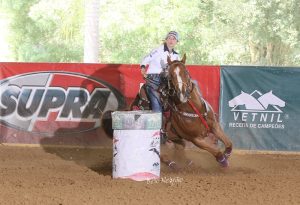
[142, 102]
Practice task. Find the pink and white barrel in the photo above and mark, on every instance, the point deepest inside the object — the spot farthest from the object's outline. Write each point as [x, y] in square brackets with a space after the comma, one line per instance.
[136, 145]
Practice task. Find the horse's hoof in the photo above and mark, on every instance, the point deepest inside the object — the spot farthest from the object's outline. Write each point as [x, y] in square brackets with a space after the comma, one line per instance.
[227, 152]
[173, 166]
[223, 162]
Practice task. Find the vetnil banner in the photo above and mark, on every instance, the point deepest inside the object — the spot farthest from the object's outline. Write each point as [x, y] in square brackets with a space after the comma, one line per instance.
[260, 107]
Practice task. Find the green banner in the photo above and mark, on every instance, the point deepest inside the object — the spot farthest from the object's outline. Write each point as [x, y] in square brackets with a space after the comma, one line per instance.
[260, 107]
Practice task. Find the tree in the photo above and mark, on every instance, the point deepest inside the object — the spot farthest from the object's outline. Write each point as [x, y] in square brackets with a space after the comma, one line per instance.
[91, 31]
[46, 31]
[257, 32]
[274, 32]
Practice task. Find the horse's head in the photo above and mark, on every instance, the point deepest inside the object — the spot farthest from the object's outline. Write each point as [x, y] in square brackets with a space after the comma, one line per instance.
[180, 79]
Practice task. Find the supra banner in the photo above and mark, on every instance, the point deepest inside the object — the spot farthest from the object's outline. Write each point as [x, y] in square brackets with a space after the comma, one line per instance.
[55, 103]
[259, 107]
[61, 103]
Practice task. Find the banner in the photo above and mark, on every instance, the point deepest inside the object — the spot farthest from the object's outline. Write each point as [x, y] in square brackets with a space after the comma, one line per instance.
[61, 103]
[56, 103]
[259, 107]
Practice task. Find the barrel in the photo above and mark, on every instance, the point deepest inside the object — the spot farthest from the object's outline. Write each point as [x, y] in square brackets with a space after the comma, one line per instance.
[136, 144]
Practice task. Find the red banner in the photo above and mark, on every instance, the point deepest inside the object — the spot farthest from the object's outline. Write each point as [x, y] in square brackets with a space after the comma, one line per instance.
[61, 103]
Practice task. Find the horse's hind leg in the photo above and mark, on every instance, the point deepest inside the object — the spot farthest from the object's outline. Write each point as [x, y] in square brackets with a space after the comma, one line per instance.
[179, 152]
[176, 151]
[220, 134]
[164, 158]
[177, 146]
[166, 146]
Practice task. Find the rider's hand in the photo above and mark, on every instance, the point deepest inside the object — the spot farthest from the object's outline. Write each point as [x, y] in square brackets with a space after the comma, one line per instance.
[143, 72]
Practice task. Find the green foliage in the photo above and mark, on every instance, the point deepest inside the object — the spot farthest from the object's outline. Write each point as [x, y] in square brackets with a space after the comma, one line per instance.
[46, 31]
[255, 32]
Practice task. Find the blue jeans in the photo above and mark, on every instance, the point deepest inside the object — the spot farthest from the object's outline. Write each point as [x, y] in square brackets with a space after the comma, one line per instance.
[152, 85]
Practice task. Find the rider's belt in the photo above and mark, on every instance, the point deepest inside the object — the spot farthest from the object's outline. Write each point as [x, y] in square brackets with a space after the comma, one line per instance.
[153, 75]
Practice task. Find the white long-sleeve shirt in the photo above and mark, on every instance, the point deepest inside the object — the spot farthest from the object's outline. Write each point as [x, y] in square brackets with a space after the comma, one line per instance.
[157, 59]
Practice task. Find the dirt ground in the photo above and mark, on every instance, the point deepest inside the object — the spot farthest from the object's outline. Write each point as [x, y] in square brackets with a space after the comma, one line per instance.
[43, 175]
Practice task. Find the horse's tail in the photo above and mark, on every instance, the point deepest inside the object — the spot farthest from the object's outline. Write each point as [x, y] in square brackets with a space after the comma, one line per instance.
[106, 123]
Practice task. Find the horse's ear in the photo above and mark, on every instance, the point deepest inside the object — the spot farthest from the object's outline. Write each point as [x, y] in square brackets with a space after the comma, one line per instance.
[183, 59]
[169, 60]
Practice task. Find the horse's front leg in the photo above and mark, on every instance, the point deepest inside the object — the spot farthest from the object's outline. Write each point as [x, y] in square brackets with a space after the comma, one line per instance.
[220, 134]
[216, 152]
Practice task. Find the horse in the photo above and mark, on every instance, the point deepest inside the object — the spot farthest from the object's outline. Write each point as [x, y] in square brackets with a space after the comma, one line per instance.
[270, 99]
[192, 117]
[245, 99]
[188, 116]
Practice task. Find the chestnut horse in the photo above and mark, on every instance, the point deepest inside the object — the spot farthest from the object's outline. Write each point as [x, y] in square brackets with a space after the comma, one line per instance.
[192, 118]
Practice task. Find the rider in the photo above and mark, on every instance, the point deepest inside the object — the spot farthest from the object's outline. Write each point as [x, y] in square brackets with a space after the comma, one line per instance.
[157, 61]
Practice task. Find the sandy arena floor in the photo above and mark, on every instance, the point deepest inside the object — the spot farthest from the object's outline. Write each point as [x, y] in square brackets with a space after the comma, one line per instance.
[39, 175]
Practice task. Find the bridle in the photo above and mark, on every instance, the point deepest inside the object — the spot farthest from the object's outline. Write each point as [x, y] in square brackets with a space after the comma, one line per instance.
[174, 88]
[187, 95]
[173, 91]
